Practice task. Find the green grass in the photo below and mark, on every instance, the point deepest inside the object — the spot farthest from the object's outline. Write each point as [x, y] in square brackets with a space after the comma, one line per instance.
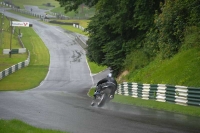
[95, 68]
[182, 69]
[16, 126]
[83, 23]
[70, 27]
[188, 110]
[5, 60]
[7, 38]
[73, 29]
[37, 69]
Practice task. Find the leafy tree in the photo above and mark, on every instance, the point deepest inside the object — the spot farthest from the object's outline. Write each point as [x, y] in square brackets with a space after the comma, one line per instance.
[194, 12]
[167, 35]
[117, 28]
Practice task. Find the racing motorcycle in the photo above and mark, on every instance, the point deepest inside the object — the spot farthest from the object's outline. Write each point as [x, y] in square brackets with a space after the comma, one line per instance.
[103, 97]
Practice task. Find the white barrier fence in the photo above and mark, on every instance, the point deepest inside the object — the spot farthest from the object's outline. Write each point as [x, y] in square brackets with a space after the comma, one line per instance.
[181, 95]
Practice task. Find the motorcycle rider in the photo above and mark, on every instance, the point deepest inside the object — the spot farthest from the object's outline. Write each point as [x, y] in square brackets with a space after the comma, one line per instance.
[109, 80]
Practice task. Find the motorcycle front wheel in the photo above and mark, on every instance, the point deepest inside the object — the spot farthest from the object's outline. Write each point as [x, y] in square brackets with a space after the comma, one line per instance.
[104, 97]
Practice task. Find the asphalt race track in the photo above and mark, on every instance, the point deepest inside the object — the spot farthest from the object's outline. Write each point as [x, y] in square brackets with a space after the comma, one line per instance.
[61, 100]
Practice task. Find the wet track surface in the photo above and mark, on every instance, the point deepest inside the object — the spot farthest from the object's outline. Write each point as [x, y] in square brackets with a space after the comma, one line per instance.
[61, 101]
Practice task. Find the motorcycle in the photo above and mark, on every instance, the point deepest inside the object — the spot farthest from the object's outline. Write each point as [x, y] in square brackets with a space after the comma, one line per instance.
[103, 97]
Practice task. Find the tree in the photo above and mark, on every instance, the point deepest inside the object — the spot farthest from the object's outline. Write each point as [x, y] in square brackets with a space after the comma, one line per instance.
[168, 33]
[118, 28]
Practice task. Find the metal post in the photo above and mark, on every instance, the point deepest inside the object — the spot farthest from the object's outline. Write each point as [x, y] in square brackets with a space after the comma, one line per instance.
[11, 30]
[1, 29]
[19, 33]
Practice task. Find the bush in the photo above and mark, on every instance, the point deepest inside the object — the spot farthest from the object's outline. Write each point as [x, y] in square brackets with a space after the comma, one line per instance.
[135, 60]
[192, 38]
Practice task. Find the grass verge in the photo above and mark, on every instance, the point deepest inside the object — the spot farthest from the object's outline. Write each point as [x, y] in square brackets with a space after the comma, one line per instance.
[5, 39]
[16, 126]
[83, 23]
[31, 76]
[166, 106]
[182, 69]
[94, 68]
[69, 28]
[73, 29]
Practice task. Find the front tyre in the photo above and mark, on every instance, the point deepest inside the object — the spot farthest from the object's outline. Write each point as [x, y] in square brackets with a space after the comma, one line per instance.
[102, 100]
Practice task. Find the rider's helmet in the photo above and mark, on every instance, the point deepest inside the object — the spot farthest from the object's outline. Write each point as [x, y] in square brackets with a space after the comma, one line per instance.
[109, 75]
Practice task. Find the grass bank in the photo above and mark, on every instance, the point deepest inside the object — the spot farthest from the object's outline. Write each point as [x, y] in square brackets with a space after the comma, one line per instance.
[182, 69]
[16, 126]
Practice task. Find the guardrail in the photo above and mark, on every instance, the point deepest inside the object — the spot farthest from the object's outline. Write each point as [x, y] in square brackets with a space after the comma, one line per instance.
[42, 17]
[78, 26]
[15, 67]
[81, 43]
[181, 95]
[14, 51]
